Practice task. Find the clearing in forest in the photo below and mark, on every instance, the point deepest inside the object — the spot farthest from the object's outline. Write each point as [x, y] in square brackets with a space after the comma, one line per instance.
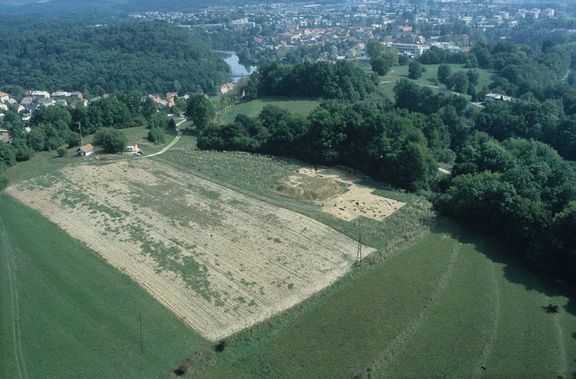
[219, 259]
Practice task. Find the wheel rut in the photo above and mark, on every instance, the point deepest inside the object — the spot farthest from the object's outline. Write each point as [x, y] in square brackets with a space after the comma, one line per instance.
[8, 252]
[394, 348]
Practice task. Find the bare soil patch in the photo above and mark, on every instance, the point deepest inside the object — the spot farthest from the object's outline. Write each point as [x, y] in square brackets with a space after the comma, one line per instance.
[338, 192]
[220, 260]
[306, 187]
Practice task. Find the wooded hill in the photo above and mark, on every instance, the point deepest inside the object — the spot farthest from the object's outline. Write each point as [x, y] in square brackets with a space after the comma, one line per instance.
[150, 57]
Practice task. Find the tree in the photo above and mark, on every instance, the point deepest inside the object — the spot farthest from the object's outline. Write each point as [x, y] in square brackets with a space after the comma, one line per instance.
[473, 76]
[460, 82]
[414, 70]
[444, 73]
[61, 151]
[200, 111]
[111, 140]
[156, 136]
[382, 58]
[7, 156]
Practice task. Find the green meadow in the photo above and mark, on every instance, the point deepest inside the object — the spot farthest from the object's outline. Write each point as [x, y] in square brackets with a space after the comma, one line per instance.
[435, 300]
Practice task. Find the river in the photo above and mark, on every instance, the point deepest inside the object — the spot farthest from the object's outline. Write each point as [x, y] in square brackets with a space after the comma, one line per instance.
[237, 70]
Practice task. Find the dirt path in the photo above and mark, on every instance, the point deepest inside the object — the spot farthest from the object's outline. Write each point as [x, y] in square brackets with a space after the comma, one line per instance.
[178, 135]
[8, 251]
[165, 149]
[487, 348]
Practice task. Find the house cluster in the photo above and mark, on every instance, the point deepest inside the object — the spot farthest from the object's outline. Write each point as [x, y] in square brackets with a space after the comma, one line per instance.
[33, 99]
[168, 100]
[347, 26]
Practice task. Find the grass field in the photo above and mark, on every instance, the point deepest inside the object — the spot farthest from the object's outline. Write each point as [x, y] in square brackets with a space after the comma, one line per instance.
[65, 313]
[252, 108]
[452, 305]
[428, 78]
[436, 301]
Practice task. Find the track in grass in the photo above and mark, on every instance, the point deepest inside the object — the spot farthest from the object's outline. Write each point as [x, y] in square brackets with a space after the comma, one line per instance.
[7, 250]
[486, 321]
[394, 347]
[76, 316]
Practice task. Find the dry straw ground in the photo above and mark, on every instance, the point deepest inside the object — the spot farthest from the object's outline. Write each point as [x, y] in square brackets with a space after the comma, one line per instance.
[339, 193]
[220, 260]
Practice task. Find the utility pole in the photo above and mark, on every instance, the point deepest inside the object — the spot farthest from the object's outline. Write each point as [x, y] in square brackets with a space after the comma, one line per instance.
[80, 128]
[141, 339]
[359, 251]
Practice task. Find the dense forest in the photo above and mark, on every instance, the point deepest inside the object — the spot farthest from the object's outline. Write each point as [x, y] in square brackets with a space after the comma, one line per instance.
[107, 58]
[342, 80]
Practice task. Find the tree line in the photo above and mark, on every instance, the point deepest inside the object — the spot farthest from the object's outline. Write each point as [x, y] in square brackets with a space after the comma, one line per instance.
[521, 191]
[392, 145]
[341, 80]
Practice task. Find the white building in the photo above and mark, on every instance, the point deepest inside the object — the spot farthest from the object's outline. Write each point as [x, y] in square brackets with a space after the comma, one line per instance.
[410, 49]
[491, 97]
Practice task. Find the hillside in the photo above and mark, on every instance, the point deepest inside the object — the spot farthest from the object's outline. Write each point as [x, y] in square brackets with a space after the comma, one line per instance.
[447, 303]
[151, 57]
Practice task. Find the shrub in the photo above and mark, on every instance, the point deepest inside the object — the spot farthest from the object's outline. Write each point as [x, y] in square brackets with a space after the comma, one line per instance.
[113, 141]
[61, 151]
[156, 136]
[181, 370]
[220, 346]
[3, 183]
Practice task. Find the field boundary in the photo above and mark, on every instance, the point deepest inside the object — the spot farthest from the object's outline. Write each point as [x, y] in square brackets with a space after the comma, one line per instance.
[379, 254]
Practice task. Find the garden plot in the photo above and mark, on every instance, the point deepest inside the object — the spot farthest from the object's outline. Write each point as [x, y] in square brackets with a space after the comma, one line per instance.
[219, 259]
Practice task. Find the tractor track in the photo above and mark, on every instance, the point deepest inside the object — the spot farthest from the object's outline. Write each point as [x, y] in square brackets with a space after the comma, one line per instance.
[21, 369]
[398, 344]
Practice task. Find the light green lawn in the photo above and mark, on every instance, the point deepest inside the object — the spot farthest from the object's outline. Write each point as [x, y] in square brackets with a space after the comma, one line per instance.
[254, 107]
[388, 81]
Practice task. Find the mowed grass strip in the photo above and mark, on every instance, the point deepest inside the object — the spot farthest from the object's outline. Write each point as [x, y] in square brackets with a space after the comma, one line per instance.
[78, 316]
[451, 341]
[254, 107]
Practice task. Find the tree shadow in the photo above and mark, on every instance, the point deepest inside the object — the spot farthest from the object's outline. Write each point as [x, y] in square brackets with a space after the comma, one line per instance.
[515, 269]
